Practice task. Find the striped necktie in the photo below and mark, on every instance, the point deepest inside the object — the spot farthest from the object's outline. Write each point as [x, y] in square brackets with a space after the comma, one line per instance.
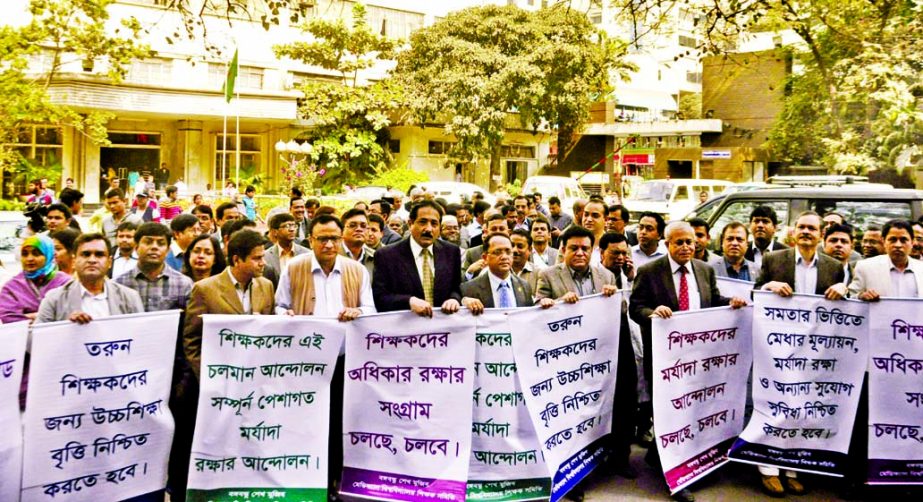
[427, 277]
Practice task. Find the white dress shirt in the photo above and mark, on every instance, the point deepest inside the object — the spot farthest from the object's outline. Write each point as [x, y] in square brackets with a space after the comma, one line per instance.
[120, 264]
[495, 283]
[639, 257]
[805, 274]
[328, 289]
[417, 249]
[758, 255]
[695, 300]
[904, 283]
[95, 305]
[242, 293]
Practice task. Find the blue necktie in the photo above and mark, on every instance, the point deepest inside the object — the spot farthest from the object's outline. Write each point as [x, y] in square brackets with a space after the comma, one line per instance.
[506, 296]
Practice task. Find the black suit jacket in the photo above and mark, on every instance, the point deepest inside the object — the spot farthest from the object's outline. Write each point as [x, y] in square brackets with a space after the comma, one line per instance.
[780, 266]
[776, 246]
[479, 288]
[396, 278]
[389, 236]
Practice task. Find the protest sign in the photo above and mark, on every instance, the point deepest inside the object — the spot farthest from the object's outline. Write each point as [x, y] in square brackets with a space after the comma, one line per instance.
[97, 425]
[506, 458]
[701, 360]
[734, 287]
[406, 417]
[809, 359]
[263, 414]
[895, 393]
[12, 354]
[565, 359]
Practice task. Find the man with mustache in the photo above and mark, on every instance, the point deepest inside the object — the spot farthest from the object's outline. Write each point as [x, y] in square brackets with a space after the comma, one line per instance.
[763, 222]
[420, 273]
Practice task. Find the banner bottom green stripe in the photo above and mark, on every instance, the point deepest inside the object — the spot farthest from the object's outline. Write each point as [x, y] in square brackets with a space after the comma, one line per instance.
[512, 490]
[258, 494]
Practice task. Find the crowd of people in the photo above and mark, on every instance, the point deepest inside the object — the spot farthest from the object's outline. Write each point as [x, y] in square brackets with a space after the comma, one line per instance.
[384, 255]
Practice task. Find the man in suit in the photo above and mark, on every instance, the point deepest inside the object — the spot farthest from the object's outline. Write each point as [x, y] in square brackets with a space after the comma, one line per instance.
[240, 290]
[805, 271]
[616, 258]
[732, 263]
[383, 209]
[543, 253]
[92, 295]
[498, 287]
[420, 272]
[665, 285]
[355, 226]
[474, 262]
[616, 220]
[763, 222]
[650, 232]
[284, 227]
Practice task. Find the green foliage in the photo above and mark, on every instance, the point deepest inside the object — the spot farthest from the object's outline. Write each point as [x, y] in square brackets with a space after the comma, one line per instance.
[690, 105]
[514, 188]
[399, 177]
[60, 30]
[350, 118]
[12, 205]
[470, 69]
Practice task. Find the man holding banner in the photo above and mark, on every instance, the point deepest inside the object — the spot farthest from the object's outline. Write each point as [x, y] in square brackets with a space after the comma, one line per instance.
[667, 284]
[732, 263]
[799, 270]
[499, 287]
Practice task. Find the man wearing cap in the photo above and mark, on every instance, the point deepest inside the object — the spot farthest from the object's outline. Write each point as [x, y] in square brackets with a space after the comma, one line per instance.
[146, 208]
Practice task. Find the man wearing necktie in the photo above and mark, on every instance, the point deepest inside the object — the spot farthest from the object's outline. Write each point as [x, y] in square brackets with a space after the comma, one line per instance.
[421, 272]
[499, 287]
[675, 282]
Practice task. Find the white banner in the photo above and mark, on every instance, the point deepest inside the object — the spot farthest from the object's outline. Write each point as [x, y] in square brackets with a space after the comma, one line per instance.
[701, 361]
[263, 414]
[506, 461]
[97, 425]
[895, 391]
[406, 421]
[12, 354]
[734, 287]
[809, 359]
[565, 358]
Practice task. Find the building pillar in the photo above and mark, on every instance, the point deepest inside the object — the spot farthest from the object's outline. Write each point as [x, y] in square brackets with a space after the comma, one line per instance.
[610, 164]
[90, 154]
[196, 167]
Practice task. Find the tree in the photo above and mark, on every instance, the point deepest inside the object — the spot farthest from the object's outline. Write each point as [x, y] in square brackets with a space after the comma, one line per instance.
[856, 104]
[61, 31]
[350, 117]
[474, 67]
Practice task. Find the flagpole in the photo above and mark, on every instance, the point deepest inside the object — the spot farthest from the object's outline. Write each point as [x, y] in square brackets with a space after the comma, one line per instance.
[224, 143]
[237, 152]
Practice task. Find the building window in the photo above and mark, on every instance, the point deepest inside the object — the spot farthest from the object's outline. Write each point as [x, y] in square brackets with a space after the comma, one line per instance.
[248, 77]
[37, 144]
[517, 151]
[596, 17]
[394, 145]
[393, 23]
[440, 147]
[694, 77]
[689, 42]
[225, 156]
[150, 71]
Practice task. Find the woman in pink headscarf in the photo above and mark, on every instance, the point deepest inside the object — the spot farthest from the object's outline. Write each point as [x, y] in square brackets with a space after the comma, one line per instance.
[21, 295]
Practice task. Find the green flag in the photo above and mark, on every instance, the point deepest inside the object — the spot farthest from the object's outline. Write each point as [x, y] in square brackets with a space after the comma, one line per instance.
[229, 81]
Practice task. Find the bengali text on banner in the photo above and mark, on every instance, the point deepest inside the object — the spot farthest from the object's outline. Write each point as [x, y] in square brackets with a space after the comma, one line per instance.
[701, 361]
[809, 360]
[406, 425]
[97, 425]
[896, 392]
[506, 460]
[263, 414]
[12, 353]
[565, 359]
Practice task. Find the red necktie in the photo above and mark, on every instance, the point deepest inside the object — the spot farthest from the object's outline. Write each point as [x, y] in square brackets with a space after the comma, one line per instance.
[683, 289]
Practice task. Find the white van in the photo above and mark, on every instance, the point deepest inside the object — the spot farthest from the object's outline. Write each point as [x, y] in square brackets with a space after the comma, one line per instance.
[672, 198]
[562, 187]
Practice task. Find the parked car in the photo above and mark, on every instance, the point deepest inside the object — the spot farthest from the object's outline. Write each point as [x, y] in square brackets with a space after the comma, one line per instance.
[372, 192]
[457, 191]
[672, 198]
[12, 225]
[860, 205]
[562, 187]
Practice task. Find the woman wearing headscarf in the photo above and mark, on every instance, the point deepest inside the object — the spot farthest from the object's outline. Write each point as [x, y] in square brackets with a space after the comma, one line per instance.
[21, 295]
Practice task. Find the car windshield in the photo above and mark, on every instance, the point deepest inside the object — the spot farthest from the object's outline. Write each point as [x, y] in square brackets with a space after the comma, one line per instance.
[658, 191]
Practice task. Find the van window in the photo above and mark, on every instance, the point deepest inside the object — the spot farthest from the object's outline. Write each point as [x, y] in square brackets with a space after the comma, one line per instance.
[862, 213]
[740, 211]
[682, 193]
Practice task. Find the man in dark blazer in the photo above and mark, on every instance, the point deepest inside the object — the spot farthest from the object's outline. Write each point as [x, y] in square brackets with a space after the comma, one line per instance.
[799, 270]
[402, 269]
[285, 228]
[487, 290]
[474, 262]
[657, 292]
[763, 223]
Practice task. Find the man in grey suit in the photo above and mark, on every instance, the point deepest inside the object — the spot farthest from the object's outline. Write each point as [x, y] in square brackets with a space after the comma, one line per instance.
[805, 271]
[732, 263]
[473, 261]
[277, 257]
[499, 287]
[91, 295]
[575, 277]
